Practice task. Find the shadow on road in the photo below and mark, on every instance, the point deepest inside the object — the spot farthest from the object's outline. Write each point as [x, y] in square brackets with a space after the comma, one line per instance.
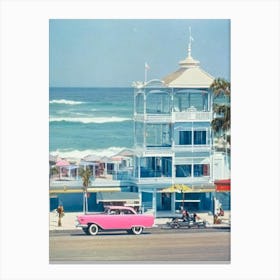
[109, 233]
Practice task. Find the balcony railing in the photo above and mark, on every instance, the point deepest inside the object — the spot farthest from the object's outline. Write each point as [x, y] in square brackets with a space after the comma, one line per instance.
[174, 117]
[191, 115]
[193, 148]
[204, 180]
[159, 151]
[55, 180]
[153, 118]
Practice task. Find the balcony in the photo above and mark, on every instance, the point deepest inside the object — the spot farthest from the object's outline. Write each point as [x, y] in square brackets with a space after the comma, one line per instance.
[197, 184]
[157, 151]
[152, 180]
[174, 117]
[117, 178]
[192, 148]
[153, 118]
[191, 116]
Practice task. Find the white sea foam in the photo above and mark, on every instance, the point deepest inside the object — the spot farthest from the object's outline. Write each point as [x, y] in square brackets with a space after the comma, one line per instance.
[64, 101]
[89, 120]
[79, 154]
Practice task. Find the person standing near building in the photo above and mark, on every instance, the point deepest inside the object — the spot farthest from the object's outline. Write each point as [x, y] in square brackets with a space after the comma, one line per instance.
[60, 212]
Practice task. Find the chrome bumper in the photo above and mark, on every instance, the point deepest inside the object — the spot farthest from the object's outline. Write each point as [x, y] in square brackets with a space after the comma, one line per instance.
[81, 226]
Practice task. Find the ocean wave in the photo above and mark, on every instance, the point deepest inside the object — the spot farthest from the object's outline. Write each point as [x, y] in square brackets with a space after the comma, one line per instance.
[67, 102]
[89, 120]
[79, 154]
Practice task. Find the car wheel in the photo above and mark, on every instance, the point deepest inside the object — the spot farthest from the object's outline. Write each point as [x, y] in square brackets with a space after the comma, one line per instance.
[137, 230]
[93, 229]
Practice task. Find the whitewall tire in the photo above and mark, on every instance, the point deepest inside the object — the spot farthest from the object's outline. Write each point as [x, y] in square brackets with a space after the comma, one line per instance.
[93, 229]
[137, 230]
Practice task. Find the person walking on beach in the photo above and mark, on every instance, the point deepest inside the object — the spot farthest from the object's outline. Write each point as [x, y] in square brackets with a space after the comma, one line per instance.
[60, 212]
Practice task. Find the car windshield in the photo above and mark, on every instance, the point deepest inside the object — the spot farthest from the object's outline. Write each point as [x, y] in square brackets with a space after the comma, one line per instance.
[109, 211]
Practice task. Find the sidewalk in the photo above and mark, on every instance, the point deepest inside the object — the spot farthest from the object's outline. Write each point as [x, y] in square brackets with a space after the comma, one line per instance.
[69, 220]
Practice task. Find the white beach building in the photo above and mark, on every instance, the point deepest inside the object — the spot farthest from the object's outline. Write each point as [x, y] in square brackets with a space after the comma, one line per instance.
[174, 156]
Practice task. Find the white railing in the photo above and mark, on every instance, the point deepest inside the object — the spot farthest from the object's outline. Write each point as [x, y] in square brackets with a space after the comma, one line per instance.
[154, 180]
[193, 115]
[174, 117]
[159, 151]
[165, 181]
[153, 118]
[191, 180]
[158, 118]
[192, 148]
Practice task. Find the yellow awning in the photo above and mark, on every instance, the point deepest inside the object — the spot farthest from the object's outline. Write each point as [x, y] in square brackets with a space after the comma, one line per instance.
[185, 189]
[177, 188]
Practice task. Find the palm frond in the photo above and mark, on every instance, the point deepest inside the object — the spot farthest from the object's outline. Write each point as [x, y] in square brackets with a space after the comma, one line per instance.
[220, 86]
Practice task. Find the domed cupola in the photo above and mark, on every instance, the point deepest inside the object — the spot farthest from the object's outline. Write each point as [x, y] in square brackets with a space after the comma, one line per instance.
[189, 75]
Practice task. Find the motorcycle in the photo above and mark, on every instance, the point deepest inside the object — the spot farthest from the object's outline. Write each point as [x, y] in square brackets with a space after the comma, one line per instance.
[190, 221]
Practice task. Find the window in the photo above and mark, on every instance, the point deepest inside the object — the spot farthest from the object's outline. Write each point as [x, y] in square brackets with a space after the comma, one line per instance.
[183, 170]
[139, 133]
[200, 170]
[158, 102]
[127, 212]
[158, 135]
[185, 137]
[156, 167]
[199, 137]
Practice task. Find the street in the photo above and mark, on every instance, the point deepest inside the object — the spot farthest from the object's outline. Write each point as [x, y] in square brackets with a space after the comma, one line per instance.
[154, 245]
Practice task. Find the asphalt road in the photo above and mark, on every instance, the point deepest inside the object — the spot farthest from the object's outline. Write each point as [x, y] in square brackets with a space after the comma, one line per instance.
[153, 246]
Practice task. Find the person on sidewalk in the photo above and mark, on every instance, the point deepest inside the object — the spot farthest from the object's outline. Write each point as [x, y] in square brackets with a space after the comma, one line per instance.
[60, 212]
[185, 215]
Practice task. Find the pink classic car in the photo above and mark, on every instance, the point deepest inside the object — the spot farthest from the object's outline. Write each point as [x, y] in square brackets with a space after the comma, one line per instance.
[115, 218]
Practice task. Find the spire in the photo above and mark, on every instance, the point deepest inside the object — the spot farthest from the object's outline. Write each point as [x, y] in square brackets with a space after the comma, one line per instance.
[189, 61]
[190, 43]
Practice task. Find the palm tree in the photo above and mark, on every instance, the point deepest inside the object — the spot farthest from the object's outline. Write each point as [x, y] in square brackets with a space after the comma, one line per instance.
[53, 171]
[85, 174]
[220, 87]
[222, 122]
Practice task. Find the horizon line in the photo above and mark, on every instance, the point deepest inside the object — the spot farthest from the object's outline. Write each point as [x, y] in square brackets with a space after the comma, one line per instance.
[110, 86]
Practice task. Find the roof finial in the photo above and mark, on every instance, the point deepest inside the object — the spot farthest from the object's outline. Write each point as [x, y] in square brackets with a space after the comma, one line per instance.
[189, 61]
[190, 42]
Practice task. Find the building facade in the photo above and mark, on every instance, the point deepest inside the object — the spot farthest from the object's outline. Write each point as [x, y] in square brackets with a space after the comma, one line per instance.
[173, 140]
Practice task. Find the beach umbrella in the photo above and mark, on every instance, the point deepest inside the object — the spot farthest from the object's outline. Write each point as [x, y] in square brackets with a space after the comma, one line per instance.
[62, 163]
[177, 188]
[180, 188]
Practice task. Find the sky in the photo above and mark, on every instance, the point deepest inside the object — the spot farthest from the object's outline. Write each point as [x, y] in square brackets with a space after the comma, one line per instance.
[108, 52]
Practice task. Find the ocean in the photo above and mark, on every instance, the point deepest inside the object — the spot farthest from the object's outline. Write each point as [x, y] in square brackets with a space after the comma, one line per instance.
[84, 121]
